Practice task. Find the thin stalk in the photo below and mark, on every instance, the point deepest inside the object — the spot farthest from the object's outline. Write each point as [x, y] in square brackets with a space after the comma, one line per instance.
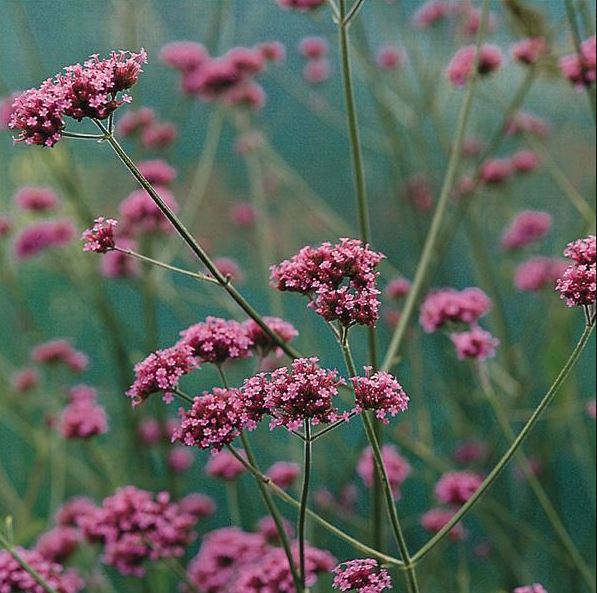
[509, 455]
[283, 495]
[440, 212]
[155, 262]
[4, 543]
[271, 507]
[535, 484]
[302, 516]
[198, 251]
[409, 566]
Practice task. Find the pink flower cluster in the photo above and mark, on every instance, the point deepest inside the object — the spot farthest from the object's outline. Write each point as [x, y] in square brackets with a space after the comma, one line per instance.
[15, 578]
[398, 469]
[59, 544]
[577, 283]
[224, 466]
[88, 90]
[536, 588]
[529, 51]
[140, 214]
[390, 57]
[229, 78]
[36, 199]
[315, 50]
[526, 228]
[436, 519]
[161, 371]
[301, 5]
[339, 279]
[432, 12]
[538, 273]
[452, 306]
[83, 418]
[527, 123]
[144, 125]
[60, 352]
[100, 237]
[261, 341]
[157, 172]
[580, 68]
[24, 380]
[455, 489]
[460, 69]
[284, 474]
[381, 393]
[475, 343]
[40, 236]
[135, 526]
[398, 288]
[233, 561]
[362, 576]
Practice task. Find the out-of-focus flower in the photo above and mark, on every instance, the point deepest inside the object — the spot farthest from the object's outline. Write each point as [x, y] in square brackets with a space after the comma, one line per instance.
[225, 466]
[470, 452]
[525, 161]
[460, 69]
[60, 352]
[115, 264]
[157, 172]
[536, 588]
[530, 51]
[432, 12]
[527, 228]
[5, 225]
[36, 199]
[180, 460]
[476, 343]
[527, 123]
[262, 342]
[140, 214]
[317, 71]
[158, 135]
[314, 47]
[83, 418]
[229, 269]
[301, 5]
[538, 273]
[452, 306]
[390, 57]
[243, 215]
[579, 68]
[135, 120]
[24, 380]
[419, 193]
[268, 529]
[436, 519]
[458, 487]
[59, 544]
[398, 469]
[496, 171]
[40, 236]
[398, 288]
[6, 110]
[284, 474]
[362, 576]
[185, 56]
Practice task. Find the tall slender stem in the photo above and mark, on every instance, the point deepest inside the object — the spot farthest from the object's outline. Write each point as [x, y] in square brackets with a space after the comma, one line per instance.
[509, 455]
[440, 211]
[192, 243]
[302, 517]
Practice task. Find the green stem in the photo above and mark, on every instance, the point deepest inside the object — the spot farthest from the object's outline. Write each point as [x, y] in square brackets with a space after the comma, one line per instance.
[302, 516]
[535, 484]
[440, 212]
[193, 244]
[508, 456]
[250, 462]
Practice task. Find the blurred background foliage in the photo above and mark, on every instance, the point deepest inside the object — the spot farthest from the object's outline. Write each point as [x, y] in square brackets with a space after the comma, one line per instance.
[408, 122]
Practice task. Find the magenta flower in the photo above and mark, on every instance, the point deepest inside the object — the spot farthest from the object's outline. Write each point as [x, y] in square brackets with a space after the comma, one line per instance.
[262, 342]
[136, 526]
[41, 236]
[436, 519]
[180, 460]
[229, 269]
[381, 393]
[496, 171]
[215, 420]
[340, 279]
[470, 452]
[432, 12]
[577, 284]
[269, 530]
[198, 505]
[15, 578]
[140, 214]
[158, 135]
[536, 588]
[161, 371]
[538, 273]
[476, 343]
[115, 264]
[300, 393]
[284, 474]
[157, 172]
[530, 51]
[526, 228]
[224, 466]
[452, 306]
[525, 161]
[398, 469]
[580, 69]
[458, 487]
[217, 340]
[390, 57]
[24, 380]
[83, 418]
[362, 576]
[60, 352]
[100, 237]
[460, 69]
[135, 120]
[398, 288]
[527, 123]
[185, 56]
[301, 5]
[314, 47]
[317, 71]
[59, 544]
[243, 215]
[36, 199]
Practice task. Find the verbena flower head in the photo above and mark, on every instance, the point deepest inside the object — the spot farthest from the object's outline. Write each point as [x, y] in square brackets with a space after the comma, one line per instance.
[284, 474]
[59, 544]
[302, 392]
[314, 47]
[432, 12]
[538, 273]
[362, 576]
[36, 199]
[340, 280]
[577, 284]
[317, 71]
[217, 340]
[225, 466]
[527, 123]
[536, 588]
[136, 526]
[100, 237]
[198, 505]
[436, 519]
[135, 120]
[158, 135]
[185, 56]
[222, 555]
[477, 344]
[157, 172]
[452, 306]
[390, 57]
[530, 51]
[460, 69]
[41, 236]
[458, 487]
[83, 418]
[14, 578]
[180, 460]
[60, 352]
[398, 469]
[579, 68]
[301, 5]
[496, 171]
[261, 341]
[525, 161]
[381, 393]
[216, 419]
[526, 228]
[230, 269]
[398, 288]
[24, 380]
[161, 371]
[140, 214]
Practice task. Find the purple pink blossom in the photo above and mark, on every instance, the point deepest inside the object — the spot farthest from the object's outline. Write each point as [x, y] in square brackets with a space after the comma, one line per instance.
[453, 306]
[476, 343]
[496, 171]
[36, 199]
[261, 341]
[460, 69]
[60, 352]
[432, 12]
[140, 214]
[157, 172]
[538, 273]
[536, 588]
[161, 371]
[525, 161]
[224, 466]
[301, 5]
[458, 487]
[529, 51]
[390, 57]
[527, 228]
[284, 474]
[362, 576]
[100, 237]
[24, 380]
[59, 544]
[41, 236]
[83, 418]
[381, 393]
[577, 284]
[579, 67]
[436, 519]
[397, 468]
[314, 47]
